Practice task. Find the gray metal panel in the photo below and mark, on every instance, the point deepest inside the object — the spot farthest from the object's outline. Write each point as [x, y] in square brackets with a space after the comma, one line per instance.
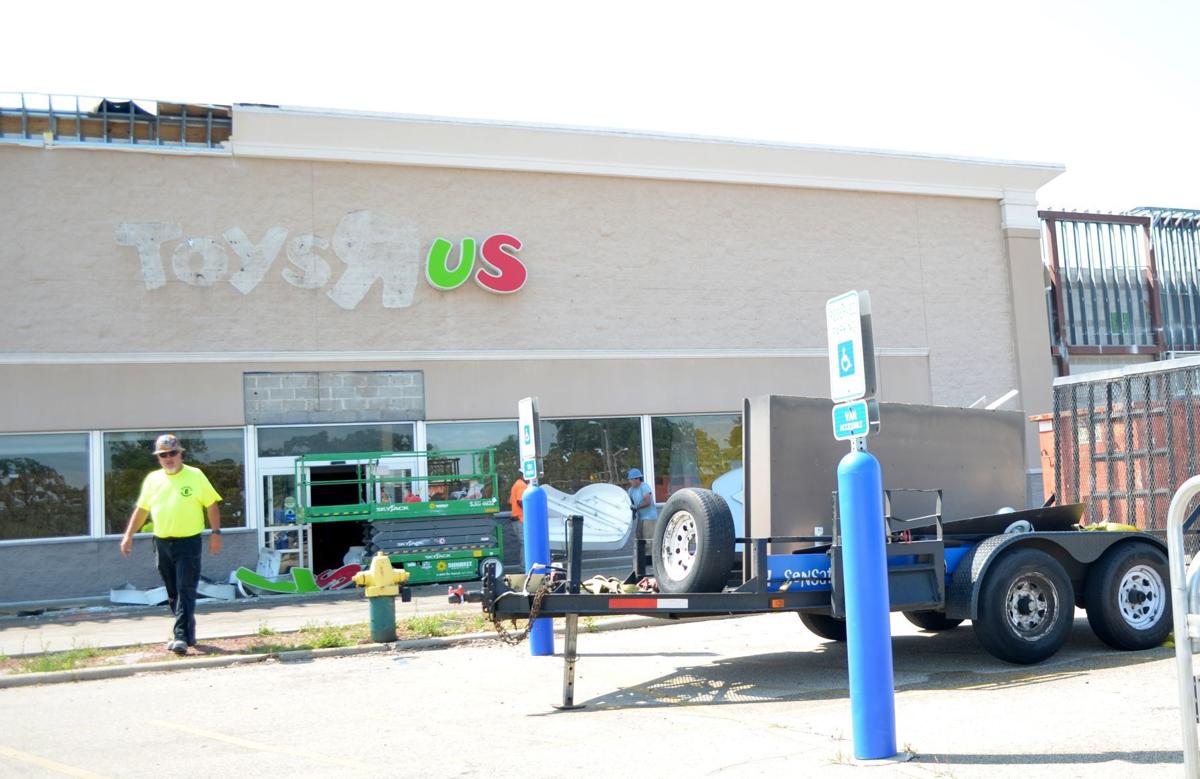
[93, 566]
[974, 456]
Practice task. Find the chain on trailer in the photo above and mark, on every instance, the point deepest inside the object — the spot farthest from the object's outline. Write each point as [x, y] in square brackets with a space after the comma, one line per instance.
[548, 583]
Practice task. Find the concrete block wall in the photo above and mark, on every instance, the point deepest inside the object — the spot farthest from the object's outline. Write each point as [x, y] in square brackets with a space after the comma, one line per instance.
[333, 396]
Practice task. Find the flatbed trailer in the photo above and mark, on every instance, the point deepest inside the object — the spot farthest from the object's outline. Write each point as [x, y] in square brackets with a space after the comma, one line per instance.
[1018, 576]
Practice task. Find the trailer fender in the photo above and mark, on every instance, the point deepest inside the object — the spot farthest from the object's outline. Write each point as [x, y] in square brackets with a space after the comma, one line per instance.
[1075, 550]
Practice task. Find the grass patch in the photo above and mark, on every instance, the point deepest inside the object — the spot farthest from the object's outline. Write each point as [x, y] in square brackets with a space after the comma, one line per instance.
[264, 631]
[431, 626]
[329, 637]
[325, 636]
[58, 661]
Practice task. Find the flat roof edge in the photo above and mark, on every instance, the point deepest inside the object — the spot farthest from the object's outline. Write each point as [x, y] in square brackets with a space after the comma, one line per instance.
[269, 131]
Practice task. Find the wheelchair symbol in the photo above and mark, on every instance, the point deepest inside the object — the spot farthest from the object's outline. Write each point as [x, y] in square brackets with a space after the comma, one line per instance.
[845, 359]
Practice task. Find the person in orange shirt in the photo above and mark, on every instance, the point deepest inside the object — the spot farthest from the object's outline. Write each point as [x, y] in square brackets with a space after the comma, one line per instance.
[514, 498]
[514, 531]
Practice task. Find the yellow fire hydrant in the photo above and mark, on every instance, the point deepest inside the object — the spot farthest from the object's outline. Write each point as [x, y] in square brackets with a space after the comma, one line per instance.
[383, 585]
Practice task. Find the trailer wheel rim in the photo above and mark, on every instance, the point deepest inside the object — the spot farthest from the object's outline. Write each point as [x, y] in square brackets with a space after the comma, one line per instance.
[1141, 596]
[1032, 604]
[680, 544]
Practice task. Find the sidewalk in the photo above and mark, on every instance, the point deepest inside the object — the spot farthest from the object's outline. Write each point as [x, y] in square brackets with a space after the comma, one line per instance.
[103, 627]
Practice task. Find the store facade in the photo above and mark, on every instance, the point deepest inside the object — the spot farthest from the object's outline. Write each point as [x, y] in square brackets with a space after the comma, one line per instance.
[347, 282]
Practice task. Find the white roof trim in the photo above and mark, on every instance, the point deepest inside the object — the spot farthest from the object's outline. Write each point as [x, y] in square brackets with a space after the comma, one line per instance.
[295, 133]
[1129, 371]
[98, 358]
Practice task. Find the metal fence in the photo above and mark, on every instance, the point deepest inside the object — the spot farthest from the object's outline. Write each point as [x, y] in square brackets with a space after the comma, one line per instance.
[66, 119]
[1125, 440]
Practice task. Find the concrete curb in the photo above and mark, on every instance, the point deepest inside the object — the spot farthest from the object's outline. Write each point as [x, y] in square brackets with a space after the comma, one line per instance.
[295, 655]
[117, 671]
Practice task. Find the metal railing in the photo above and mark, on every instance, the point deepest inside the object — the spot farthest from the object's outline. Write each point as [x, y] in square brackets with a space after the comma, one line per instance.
[1122, 283]
[1175, 242]
[1103, 281]
[1186, 621]
[68, 119]
[1125, 440]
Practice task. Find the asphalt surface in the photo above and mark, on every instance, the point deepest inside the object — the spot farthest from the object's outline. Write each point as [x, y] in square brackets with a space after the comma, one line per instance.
[752, 696]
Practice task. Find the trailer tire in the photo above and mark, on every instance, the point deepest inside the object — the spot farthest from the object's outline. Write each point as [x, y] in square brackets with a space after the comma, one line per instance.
[1026, 607]
[1127, 597]
[932, 621]
[824, 625]
[693, 543]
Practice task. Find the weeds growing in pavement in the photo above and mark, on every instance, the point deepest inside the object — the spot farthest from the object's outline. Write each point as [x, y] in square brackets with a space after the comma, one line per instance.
[58, 661]
[431, 626]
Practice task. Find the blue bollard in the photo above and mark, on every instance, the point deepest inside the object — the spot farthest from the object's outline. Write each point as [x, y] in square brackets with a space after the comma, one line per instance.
[537, 559]
[868, 624]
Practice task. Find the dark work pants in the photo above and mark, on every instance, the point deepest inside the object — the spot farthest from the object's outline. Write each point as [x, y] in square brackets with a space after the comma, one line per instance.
[179, 567]
[514, 545]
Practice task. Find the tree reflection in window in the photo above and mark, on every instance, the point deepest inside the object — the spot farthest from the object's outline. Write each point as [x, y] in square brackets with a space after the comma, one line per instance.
[692, 451]
[129, 456]
[43, 486]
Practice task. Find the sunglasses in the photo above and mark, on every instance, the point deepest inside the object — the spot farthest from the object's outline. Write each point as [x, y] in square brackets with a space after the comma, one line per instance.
[164, 455]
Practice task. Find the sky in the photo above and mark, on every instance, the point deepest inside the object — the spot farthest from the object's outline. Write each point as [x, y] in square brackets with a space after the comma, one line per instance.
[1108, 89]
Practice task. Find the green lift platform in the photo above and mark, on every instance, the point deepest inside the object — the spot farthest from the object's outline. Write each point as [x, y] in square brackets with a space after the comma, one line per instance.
[436, 518]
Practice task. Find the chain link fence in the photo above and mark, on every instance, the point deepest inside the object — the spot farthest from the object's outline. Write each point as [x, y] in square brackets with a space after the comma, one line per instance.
[1125, 440]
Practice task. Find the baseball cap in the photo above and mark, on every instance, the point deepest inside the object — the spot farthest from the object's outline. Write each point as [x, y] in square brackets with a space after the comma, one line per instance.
[166, 443]
[634, 473]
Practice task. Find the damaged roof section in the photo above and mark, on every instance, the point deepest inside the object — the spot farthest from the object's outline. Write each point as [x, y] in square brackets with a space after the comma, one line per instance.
[65, 119]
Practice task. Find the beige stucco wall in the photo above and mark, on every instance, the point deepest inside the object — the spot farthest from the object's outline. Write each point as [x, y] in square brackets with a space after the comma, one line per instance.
[122, 396]
[614, 264]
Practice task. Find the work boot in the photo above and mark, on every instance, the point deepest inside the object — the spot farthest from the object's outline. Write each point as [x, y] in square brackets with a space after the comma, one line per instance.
[177, 646]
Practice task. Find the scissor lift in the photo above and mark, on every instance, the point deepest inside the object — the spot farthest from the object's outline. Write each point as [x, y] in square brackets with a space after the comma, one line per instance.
[439, 526]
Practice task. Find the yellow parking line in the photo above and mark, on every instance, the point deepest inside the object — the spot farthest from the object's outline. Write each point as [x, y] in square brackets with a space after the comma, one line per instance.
[261, 747]
[42, 762]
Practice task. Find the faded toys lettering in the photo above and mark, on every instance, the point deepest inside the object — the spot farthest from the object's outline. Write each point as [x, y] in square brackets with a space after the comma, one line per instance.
[373, 248]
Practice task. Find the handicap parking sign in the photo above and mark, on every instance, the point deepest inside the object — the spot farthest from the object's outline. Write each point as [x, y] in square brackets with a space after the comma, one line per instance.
[851, 347]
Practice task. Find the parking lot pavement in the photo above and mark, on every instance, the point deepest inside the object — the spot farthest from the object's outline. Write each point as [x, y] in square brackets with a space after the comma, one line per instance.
[751, 696]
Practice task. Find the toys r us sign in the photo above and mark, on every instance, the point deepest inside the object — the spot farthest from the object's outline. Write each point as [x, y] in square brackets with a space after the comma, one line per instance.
[372, 247]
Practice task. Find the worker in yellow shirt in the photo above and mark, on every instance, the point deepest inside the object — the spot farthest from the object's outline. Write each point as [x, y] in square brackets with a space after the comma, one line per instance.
[178, 497]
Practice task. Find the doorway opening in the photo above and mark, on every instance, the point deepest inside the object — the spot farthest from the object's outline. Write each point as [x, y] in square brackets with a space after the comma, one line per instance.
[336, 485]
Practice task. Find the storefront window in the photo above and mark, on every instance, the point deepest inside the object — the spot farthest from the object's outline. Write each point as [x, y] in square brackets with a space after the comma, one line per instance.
[129, 456]
[501, 436]
[334, 439]
[579, 452]
[692, 451]
[43, 486]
